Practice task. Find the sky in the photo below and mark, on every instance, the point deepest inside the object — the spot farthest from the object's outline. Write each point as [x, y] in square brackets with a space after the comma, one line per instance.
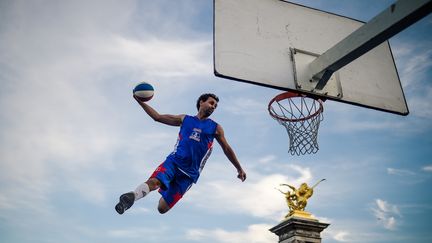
[72, 139]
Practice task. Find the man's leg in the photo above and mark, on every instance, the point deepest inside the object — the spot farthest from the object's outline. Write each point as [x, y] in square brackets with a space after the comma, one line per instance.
[177, 188]
[127, 199]
[146, 187]
[162, 173]
[163, 206]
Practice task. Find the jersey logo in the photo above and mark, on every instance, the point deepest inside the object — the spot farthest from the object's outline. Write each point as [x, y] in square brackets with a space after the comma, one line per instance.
[196, 134]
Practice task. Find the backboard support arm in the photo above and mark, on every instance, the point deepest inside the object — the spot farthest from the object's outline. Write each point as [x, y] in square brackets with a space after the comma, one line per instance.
[388, 23]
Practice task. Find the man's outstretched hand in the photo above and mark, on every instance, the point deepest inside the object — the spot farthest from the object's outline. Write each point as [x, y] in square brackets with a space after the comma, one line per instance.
[241, 175]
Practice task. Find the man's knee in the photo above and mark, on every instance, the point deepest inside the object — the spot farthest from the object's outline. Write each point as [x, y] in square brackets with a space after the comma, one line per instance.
[153, 184]
[163, 206]
[162, 210]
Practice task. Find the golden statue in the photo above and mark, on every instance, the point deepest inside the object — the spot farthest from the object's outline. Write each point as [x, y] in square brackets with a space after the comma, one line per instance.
[297, 199]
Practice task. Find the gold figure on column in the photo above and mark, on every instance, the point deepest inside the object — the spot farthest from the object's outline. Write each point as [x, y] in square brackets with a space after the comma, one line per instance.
[297, 198]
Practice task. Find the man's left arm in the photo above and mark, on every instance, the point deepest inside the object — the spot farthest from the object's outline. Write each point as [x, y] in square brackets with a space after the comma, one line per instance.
[229, 152]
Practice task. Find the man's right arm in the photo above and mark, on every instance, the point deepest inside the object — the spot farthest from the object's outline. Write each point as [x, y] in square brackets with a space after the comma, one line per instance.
[172, 120]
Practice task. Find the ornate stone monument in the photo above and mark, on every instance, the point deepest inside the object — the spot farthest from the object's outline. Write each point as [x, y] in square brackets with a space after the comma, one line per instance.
[299, 226]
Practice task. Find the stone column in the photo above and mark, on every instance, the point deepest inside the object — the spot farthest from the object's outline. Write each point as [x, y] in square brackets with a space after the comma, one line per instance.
[299, 229]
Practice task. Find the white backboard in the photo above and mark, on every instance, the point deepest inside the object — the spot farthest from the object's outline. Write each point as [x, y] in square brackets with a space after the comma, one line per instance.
[271, 43]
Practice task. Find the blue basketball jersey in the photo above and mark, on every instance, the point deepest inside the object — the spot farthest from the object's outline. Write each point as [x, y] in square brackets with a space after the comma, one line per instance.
[194, 145]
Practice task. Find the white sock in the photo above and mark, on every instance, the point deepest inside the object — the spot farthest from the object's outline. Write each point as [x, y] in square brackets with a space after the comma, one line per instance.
[141, 191]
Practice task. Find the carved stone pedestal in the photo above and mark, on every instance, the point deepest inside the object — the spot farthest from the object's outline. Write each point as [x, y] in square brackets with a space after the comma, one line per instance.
[299, 230]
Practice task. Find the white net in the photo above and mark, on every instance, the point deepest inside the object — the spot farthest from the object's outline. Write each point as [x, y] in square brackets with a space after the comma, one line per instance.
[301, 116]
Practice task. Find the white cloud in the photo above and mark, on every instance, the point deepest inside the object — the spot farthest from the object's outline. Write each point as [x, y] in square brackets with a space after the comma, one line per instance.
[341, 236]
[386, 213]
[390, 223]
[161, 58]
[387, 207]
[256, 233]
[400, 172]
[256, 197]
[427, 168]
[415, 66]
[407, 176]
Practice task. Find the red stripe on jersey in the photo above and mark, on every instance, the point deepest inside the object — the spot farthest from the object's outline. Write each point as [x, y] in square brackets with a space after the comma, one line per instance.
[210, 145]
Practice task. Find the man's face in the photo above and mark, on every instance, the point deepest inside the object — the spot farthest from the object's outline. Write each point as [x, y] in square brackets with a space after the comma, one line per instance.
[208, 106]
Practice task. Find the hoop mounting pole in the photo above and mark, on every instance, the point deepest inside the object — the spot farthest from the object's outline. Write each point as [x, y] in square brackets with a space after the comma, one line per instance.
[388, 23]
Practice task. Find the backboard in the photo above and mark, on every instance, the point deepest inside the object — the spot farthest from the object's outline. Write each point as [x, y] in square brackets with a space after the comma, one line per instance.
[272, 42]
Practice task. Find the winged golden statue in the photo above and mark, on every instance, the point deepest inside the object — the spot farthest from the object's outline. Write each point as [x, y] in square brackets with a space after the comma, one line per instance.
[297, 198]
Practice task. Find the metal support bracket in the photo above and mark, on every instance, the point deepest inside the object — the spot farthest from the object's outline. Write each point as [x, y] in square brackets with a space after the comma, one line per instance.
[302, 76]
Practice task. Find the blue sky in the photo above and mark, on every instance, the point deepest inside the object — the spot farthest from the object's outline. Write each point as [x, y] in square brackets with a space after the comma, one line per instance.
[72, 139]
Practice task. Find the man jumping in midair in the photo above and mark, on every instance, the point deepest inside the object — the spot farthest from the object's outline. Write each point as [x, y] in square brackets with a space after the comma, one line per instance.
[183, 166]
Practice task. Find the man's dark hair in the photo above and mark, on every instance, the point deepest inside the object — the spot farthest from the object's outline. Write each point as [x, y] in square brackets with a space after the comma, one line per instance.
[204, 98]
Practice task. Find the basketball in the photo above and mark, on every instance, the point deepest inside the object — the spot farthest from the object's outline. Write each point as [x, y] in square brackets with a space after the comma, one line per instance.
[144, 91]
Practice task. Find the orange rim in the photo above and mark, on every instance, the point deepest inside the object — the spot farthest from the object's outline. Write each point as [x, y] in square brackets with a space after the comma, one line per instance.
[289, 95]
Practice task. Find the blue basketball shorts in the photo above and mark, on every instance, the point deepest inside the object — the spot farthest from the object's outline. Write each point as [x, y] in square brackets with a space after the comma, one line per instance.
[174, 183]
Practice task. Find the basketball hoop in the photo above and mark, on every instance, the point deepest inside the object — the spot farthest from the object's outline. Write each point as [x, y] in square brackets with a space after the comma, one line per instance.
[301, 116]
